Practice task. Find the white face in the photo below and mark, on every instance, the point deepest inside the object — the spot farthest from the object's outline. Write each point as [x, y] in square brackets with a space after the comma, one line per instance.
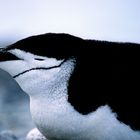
[31, 69]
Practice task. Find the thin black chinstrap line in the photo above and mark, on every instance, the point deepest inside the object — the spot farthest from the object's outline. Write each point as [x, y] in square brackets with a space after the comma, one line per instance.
[39, 68]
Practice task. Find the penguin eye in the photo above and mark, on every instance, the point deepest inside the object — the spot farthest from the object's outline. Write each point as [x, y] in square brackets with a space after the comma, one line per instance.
[39, 59]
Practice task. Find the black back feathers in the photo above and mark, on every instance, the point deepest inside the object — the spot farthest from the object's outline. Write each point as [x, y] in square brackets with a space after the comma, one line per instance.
[108, 73]
[105, 72]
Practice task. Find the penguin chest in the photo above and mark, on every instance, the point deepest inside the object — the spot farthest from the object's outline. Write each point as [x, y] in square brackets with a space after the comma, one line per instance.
[57, 119]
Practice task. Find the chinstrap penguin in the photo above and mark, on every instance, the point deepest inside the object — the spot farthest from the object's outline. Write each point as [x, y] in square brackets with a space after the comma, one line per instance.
[79, 89]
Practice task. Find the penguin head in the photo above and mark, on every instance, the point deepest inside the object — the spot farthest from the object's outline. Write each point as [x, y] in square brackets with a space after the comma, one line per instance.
[37, 59]
[29, 69]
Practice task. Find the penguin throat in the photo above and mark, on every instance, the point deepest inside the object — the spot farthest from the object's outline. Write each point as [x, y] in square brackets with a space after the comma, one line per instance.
[38, 68]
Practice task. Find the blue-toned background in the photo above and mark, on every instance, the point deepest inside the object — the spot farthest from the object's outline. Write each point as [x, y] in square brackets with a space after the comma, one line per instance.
[14, 107]
[99, 19]
[93, 19]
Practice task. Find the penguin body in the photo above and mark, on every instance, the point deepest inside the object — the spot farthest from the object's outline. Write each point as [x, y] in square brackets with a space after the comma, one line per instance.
[79, 89]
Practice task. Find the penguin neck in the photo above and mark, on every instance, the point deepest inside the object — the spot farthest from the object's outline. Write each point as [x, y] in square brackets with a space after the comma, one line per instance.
[55, 87]
[50, 92]
[50, 100]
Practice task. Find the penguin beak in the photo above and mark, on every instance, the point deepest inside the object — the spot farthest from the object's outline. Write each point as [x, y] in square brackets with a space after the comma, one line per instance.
[6, 56]
[7, 62]
[2, 55]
